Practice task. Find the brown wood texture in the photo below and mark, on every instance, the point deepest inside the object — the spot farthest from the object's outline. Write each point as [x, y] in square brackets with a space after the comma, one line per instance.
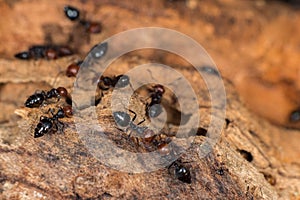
[253, 158]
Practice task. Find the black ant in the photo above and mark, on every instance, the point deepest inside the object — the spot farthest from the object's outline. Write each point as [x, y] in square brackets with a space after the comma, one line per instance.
[153, 109]
[38, 98]
[73, 69]
[181, 172]
[123, 119]
[73, 14]
[120, 81]
[48, 124]
[44, 51]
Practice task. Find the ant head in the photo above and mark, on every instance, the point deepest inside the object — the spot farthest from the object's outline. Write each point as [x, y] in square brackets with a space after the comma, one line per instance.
[122, 118]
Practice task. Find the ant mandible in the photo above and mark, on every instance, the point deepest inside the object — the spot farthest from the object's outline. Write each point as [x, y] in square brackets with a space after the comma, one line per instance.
[38, 98]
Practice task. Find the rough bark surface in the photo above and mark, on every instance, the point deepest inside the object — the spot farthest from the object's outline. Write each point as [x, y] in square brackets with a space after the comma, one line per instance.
[253, 159]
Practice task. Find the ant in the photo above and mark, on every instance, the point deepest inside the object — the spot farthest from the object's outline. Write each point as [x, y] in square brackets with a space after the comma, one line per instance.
[181, 172]
[73, 14]
[38, 98]
[123, 119]
[153, 141]
[73, 69]
[120, 81]
[47, 124]
[44, 51]
[153, 109]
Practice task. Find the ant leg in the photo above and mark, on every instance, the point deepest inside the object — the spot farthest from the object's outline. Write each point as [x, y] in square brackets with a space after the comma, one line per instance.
[129, 135]
[51, 110]
[42, 117]
[141, 122]
[60, 126]
[134, 115]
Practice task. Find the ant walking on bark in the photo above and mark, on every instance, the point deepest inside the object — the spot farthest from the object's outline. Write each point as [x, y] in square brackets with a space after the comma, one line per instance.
[38, 98]
[48, 124]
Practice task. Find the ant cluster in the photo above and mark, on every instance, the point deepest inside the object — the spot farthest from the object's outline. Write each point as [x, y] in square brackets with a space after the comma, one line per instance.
[50, 124]
[151, 141]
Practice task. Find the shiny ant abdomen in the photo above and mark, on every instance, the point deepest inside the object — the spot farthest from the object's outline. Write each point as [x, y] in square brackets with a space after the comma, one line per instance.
[46, 124]
[38, 98]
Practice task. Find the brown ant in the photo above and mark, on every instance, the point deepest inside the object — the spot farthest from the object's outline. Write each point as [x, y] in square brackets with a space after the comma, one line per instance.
[44, 51]
[38, 98]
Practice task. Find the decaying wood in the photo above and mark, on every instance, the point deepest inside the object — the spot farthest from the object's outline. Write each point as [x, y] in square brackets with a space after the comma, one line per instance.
[60, 165]
[252, 159]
